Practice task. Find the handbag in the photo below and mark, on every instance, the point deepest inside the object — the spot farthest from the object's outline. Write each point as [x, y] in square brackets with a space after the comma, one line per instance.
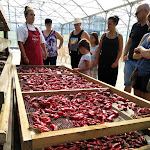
[134, 75]
[148, 86]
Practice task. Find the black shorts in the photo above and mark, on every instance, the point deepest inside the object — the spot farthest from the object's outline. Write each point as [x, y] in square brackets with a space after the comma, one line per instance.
[141, 83]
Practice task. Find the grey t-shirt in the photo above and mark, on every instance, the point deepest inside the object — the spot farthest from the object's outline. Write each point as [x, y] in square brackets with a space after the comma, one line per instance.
[82, 63]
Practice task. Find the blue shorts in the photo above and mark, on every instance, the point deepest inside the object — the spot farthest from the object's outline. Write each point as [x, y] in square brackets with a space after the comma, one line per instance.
[129, 66]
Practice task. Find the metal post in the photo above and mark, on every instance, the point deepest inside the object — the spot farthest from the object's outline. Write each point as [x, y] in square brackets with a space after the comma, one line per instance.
[62, 30]
[89, 29]
[41, 18]
[15, 19]
[129, 22]
[69, 28]
[105, 20]
[8, 11]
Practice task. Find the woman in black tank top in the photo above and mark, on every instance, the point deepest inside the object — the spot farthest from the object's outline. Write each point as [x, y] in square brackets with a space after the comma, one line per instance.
[110, 50]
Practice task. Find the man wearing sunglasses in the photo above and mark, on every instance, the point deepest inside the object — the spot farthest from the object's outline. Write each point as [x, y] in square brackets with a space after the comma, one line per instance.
[138, 30]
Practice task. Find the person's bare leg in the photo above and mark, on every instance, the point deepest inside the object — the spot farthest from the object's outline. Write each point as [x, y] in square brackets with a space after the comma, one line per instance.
[127, 89]
[137, 93]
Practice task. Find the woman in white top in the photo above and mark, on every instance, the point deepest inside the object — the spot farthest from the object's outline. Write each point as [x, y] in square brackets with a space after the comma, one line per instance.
[31, 40]
[84, 65]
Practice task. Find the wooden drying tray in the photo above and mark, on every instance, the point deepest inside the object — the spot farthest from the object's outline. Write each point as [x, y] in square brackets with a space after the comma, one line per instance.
[139, 101]
[45, 66]
[5, 109]
[80, 133]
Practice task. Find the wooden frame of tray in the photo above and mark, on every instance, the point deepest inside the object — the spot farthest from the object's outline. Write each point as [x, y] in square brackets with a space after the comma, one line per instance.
[41, 140]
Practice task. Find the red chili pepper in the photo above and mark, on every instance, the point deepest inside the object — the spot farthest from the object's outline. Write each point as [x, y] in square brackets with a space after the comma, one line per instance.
[27, 97]
[144, 141]
[91, 113]
[46, 119]
[54, 127]
[107, 93]
[111, 117]
[35, 105]
[116, 145]
[47, 110]
[107, 106]
[56, 116]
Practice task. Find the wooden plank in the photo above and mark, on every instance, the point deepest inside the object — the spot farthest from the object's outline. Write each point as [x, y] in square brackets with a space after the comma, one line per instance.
[53, 74]
[26, 136]
[4, 78]
[89, 132]
[146, 147]
[9, 141]
[5, 26]
[71, 91]
[4, 43]
[5, 111]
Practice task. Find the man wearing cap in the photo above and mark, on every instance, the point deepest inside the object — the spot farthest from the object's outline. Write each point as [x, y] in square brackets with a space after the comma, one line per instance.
[51, 37]
[74, 37]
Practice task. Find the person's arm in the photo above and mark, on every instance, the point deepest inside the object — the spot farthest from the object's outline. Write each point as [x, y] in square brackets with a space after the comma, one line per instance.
[98, 50]
[126, 49]
[23, 54]
[145, 53]
[85, 35]
[59, 37]
[69, 44]
[44, 50]
[120, 38]
[140, 52]
[137, 54]
[88, 67]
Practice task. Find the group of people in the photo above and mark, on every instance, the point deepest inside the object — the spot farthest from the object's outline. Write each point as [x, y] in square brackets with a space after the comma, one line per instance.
[99, 59]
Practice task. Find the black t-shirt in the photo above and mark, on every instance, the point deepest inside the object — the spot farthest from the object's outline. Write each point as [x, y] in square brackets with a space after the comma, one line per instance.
[136, 35]
[74, 40]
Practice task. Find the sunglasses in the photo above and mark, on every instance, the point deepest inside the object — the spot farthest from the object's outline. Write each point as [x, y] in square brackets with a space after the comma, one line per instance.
[138, 12]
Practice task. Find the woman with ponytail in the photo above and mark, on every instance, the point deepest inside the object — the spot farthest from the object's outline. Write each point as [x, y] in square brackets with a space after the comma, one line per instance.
[31, 40]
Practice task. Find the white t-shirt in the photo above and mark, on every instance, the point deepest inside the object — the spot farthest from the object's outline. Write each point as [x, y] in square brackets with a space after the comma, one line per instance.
[82, 63]
[22, 33]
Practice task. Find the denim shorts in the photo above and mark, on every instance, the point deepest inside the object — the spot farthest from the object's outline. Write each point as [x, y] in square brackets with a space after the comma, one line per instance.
[129, 66]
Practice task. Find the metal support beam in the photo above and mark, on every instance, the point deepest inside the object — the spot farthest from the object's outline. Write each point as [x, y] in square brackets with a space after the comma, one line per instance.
[105, 21]
[15, 19]
[69, 28]
[131, 6]
[62, 30]
[111, 9]
[89, 24]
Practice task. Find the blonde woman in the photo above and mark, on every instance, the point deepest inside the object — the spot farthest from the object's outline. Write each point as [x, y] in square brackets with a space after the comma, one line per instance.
[31, 40]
